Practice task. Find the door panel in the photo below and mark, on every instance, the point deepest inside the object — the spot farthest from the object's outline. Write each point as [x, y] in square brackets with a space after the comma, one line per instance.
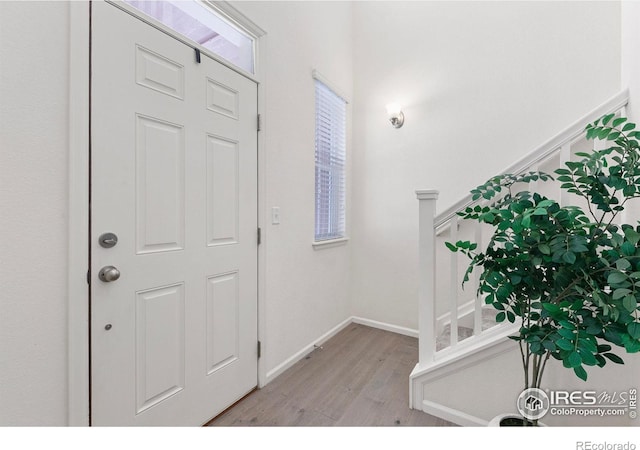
[223, 205]
[174, 176]
[160, 331]
[160, 185]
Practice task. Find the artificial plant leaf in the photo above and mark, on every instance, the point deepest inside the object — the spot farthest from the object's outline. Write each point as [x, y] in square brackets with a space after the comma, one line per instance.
[587, 344]
[574, 359]
[549, 345]
[564, 344]
[614, 358]
[588, 358]
[607, 118]
[594, 329]
[603, 348]
[633, 328]
[631, 345]
[569, 257]
[622, 264]
[619, 121]
[614, 135]
[629, 126]
[629, 303]
[581, 373]
[566, 333]
[632, 235]
[535, 347]
[604, 133]
[619, 293]
[566, 324]
[551, 307]
[628, 249]
[616, 278]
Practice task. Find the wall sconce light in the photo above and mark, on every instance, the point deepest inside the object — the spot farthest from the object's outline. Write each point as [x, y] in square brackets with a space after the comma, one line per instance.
[396, 117]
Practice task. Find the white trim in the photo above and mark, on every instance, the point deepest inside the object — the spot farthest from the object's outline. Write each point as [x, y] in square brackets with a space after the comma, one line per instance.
[236, 18]
[427, 200]
[386, 326]
[78, 258]
[463, 355]
[469, 352]
[427, 194]
[263, 219]
[452, 415]
[289, 362]
[318, 245]
[324, 80]
[165, 29]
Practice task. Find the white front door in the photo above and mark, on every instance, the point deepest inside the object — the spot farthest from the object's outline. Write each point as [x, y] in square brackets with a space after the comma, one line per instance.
[174, 178]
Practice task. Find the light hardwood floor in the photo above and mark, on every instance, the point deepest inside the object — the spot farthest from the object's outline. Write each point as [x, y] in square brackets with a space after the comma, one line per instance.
[360, 377]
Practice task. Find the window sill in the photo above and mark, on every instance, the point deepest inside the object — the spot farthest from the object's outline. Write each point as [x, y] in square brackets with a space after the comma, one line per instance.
[330, 243]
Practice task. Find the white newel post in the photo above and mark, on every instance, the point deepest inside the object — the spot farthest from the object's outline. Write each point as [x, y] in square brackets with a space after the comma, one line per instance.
[426, 275]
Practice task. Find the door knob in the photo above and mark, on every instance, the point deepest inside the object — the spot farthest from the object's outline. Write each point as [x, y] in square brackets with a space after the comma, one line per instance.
[108, 274]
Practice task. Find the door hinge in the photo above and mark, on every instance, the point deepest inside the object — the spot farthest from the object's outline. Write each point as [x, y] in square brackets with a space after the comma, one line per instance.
[259, 122]
[88, 277]
[259, 349]
[259, 235]
[198, 58]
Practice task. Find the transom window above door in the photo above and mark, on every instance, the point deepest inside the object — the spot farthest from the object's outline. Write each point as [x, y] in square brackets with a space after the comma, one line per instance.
[200, 23]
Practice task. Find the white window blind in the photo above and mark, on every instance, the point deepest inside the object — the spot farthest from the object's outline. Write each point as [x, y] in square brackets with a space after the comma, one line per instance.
[330, 163]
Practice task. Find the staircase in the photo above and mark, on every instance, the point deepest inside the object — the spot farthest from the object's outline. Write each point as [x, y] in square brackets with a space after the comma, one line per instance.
[459, 340]
[443, 338]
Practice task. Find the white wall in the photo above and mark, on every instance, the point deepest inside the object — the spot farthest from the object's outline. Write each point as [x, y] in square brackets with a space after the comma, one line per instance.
[630, 73]
[492, 386]
[630, 51]
[33, 205]
[482, 84]
[307, 290]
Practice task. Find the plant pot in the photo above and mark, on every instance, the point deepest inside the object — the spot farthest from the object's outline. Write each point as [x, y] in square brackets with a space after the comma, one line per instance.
[510, 420]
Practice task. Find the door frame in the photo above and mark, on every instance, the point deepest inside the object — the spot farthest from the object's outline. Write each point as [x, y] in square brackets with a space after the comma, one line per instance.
[78, 259]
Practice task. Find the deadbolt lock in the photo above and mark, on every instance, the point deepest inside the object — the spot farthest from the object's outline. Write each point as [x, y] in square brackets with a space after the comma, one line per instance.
[108, 240]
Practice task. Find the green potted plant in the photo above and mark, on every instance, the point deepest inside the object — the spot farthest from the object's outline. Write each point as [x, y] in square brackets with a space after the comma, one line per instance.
[568, 275]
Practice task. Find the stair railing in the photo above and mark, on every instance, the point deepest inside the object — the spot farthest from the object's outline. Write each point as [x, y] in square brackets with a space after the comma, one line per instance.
[435, 229]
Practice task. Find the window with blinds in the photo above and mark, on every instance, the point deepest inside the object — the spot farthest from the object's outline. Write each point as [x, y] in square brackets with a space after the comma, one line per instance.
[331, 117]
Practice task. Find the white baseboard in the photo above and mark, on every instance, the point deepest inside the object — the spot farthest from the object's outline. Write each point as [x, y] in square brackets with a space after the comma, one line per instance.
[386, 326]
[304, 351]
[452, 415]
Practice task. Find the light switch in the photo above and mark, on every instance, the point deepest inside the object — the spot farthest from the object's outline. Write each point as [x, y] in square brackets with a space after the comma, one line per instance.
[275, 215]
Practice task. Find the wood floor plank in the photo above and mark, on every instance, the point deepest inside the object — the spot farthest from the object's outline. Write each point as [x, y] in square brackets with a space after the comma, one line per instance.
[360, 377]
